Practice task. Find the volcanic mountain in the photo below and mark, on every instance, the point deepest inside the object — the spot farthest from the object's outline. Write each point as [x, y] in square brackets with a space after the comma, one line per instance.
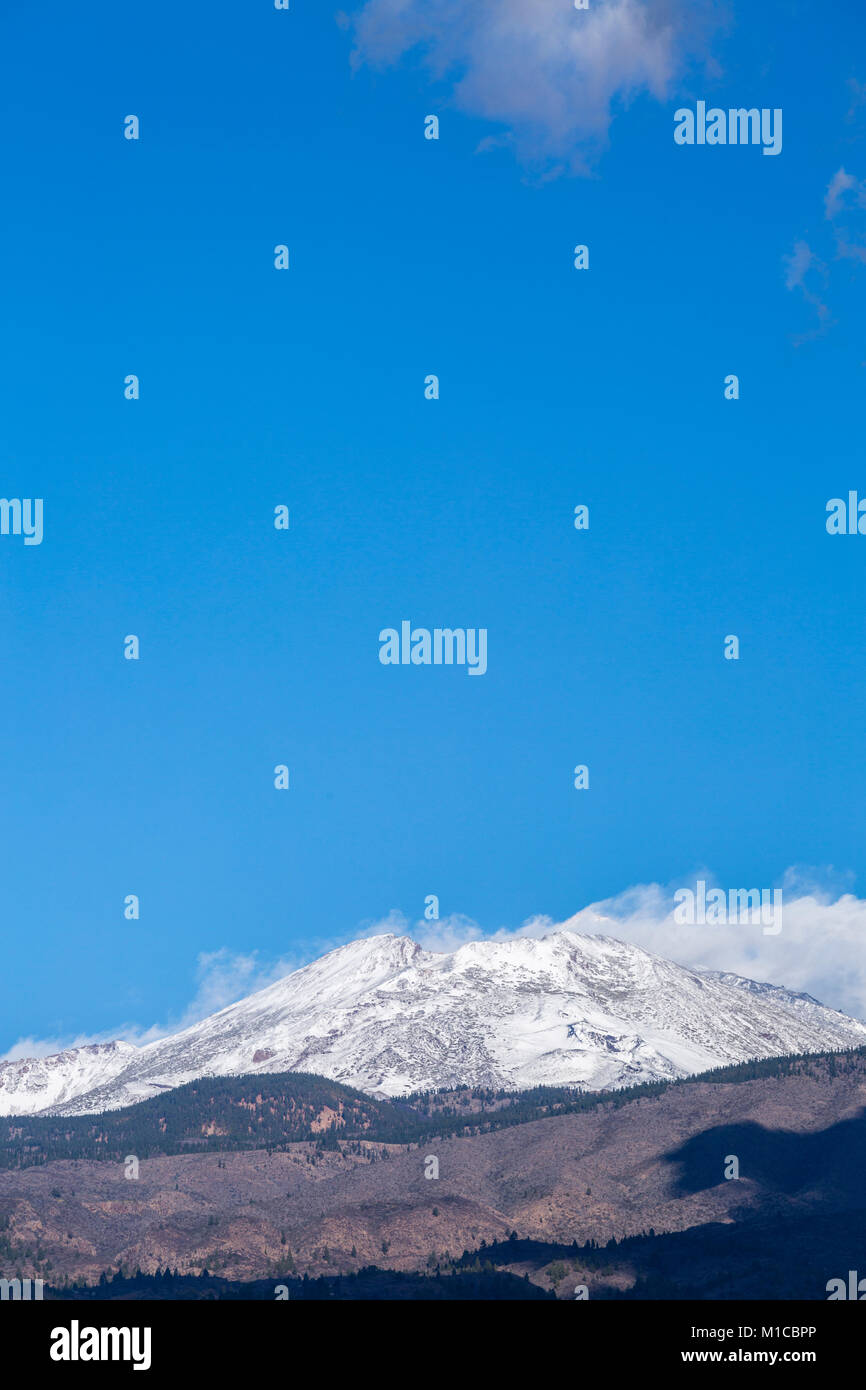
[389, 1018]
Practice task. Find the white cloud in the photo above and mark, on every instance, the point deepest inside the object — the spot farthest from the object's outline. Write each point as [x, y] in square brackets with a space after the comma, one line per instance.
[837, 203]
[45, 1047]
[449, 934]
[552, 75]
[845, 198]
[224, 976]
[798, 264]
[858, 97]
[802, 269]
[838, 186]
[821, 948]
[221, 977]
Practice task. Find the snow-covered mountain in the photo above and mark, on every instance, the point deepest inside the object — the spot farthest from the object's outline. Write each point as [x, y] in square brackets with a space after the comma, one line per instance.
[35, 1083]
[387, 1017]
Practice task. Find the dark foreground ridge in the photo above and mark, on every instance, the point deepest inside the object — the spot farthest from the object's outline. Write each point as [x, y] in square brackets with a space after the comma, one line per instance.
[371, 1283]
[785, 1258]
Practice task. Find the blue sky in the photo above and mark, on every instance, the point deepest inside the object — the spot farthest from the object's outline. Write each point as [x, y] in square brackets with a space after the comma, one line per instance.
[306, 387]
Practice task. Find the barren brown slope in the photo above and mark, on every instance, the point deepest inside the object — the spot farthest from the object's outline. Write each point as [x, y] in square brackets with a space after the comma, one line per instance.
[610, 1172]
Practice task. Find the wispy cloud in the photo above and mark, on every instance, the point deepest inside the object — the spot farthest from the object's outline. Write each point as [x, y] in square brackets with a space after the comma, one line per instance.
[834, 198]
[857, 94]
[48, 1047]
[820, 950]
[552, 76]
[220, 978]
[838, 204]
[803, 270]
[809, 274]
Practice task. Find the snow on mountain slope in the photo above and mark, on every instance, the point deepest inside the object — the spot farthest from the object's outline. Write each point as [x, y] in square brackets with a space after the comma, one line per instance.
[387, 1017]
[35, 1083]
